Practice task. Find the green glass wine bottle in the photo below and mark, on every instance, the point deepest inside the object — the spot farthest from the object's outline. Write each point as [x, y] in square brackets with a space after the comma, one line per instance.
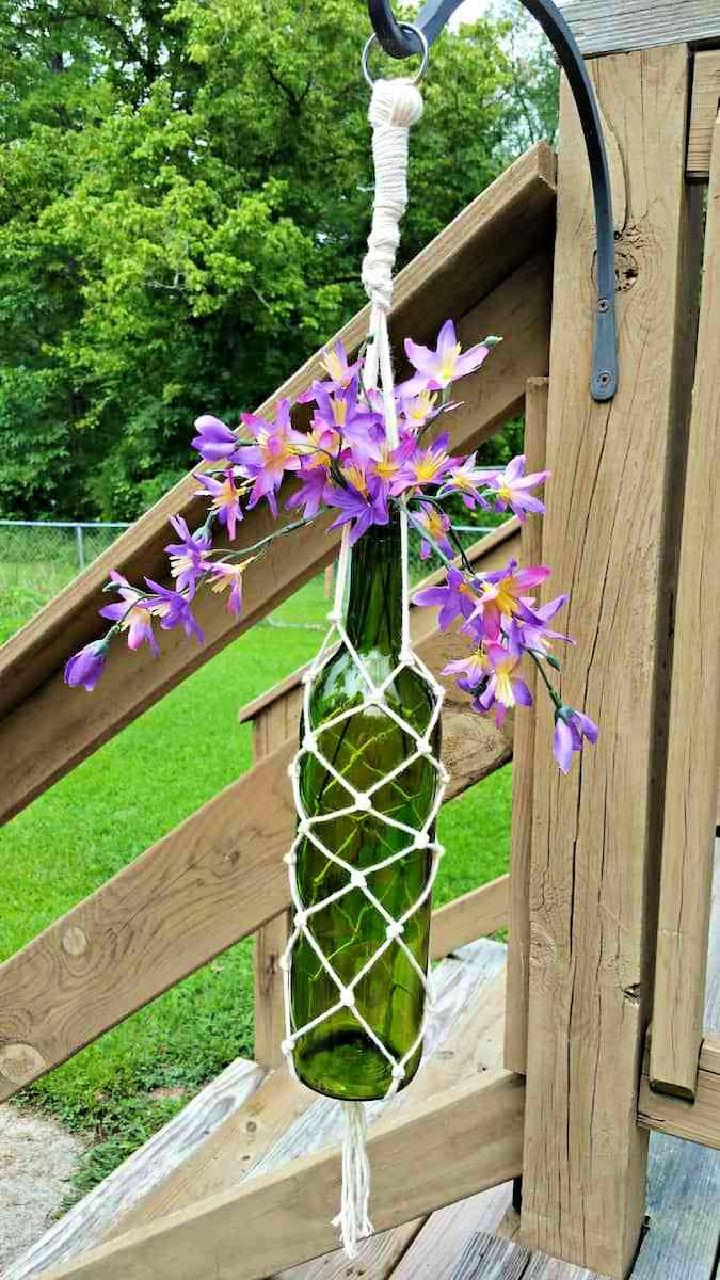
[337, 1057]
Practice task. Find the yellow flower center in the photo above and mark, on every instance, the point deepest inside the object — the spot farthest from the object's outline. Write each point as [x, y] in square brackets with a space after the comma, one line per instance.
[140, 614]
[426, 469]
[331, 364]
[356, 477]
[422, 406]
[340, 408]
[504, 689]
[447, 367]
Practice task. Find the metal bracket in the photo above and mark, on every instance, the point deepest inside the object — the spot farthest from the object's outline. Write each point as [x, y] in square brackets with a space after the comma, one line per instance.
[400, 42]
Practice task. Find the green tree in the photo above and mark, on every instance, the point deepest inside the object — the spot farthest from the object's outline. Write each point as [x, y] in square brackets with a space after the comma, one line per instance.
[184, 200]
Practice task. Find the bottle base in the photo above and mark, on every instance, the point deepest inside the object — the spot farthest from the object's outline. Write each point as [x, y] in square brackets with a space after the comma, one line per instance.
[347, 1065]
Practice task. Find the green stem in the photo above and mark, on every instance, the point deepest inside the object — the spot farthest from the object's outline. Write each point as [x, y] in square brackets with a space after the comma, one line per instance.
[555, 696]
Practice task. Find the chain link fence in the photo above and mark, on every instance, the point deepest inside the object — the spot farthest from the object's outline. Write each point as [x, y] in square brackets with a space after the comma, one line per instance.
[38, 559]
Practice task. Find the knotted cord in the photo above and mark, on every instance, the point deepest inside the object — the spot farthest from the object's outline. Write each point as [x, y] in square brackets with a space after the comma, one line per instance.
[395, 106]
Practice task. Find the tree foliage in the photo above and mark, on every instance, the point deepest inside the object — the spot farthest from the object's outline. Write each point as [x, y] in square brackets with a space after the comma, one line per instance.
[184, 200]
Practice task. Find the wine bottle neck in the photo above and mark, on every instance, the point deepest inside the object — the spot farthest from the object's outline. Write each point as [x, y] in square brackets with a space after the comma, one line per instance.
[375, 604]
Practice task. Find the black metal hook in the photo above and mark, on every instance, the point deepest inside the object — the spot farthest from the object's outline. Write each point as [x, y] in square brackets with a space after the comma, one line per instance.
[399, 42]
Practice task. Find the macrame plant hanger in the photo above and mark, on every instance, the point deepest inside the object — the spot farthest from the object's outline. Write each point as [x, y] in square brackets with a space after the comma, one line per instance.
[395, 106]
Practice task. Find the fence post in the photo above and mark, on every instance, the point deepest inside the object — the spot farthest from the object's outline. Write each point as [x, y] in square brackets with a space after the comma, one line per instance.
[609, 537]
[80, 546]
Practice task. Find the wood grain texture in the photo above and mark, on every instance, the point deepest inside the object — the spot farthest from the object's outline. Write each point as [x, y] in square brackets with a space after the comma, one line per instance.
[703, 111]
[691, 788]
[269, 732]
[531, 546]
[437, 1247]
[213, 880]
[281, 1218]
[605, 536]
[270, 944]
[475, 914]
[608, 26]
[493, 1259]
[47, 728]
[282, 1120]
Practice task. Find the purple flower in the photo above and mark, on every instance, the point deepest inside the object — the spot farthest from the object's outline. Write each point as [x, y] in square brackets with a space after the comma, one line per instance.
[277, 449]
[225, 501]
[338, 367]
[310, 494]
[504, 689]
[536, 635]
[467, 478]
[86, 667]
[214, 441]
[437, 525]
[362, 504]
[512, 489]
[473, 671]
[454, 600]
[188, 558]
[172, 609]
[424, 466]
[503, 595]
[132, 614]
[571, 727]
[229, 576]
[438, 368]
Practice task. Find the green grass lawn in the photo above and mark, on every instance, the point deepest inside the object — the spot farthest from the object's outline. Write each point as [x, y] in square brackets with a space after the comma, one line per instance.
[88, 826]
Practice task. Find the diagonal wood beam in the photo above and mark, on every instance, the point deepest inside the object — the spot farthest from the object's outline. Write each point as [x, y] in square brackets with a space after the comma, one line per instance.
[207, 884]
[286, 1217]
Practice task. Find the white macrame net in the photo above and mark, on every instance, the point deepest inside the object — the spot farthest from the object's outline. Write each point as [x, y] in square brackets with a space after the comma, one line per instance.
[395, 106]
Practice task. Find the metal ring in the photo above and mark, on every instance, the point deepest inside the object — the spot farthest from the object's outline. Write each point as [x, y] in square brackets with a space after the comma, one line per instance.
[424, 49]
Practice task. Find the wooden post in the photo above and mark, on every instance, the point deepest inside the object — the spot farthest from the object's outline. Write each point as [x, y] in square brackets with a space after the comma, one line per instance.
[694, 736]
[536, 402]
[270, 730]
[608, 536]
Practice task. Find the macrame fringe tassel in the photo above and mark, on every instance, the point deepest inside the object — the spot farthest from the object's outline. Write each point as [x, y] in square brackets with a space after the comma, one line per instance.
[353, 1220]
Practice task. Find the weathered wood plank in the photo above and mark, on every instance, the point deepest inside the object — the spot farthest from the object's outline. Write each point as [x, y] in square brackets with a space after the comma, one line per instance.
[270, 944]
[205, 885]
[531, 542]
[270, 731]
[282, 1120]
[694, 731]
[475, 914]
[682, 1206]
[609, 26]
[606, 535]
[703, 111]
[48, 728]
[275, 1220]
[437, 1247]
[493, 1259]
